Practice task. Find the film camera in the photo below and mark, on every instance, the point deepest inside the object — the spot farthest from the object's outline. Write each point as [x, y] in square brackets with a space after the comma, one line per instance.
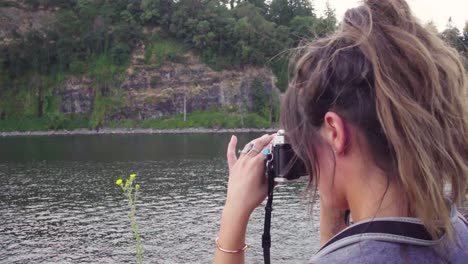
[282, 163]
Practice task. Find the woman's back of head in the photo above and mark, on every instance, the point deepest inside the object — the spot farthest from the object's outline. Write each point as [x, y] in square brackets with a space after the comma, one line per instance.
[404, 88]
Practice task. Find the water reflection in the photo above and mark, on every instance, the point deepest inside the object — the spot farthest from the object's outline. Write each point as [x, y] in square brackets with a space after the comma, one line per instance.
[60, 204]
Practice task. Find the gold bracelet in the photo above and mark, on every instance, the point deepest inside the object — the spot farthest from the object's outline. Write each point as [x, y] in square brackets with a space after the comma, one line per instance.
[230, 251]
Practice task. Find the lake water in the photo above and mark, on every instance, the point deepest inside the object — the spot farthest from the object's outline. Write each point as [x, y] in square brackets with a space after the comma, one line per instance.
[59, 202]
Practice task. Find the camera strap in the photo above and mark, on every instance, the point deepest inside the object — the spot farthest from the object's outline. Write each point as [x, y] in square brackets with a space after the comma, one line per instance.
[266, 237]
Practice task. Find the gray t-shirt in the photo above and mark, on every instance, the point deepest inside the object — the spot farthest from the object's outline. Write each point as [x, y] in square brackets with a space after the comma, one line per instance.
[386, 248]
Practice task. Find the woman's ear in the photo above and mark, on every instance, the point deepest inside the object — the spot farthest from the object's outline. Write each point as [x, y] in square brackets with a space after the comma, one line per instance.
[334, 132]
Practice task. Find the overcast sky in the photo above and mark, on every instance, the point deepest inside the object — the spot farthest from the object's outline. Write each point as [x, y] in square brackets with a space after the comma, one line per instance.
[438, 11]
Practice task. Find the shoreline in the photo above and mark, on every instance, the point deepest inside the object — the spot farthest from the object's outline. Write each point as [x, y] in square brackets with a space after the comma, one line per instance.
[126, 131]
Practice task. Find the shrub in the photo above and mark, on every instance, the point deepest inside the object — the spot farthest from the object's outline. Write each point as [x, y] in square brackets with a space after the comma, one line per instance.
[120, 53]
[103, 106]
[256, 121]
[161, 50]
[24, 124]
[55, 121]
[78, 67]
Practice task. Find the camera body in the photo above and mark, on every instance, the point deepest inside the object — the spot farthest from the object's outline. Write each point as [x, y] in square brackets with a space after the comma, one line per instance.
[282, 163]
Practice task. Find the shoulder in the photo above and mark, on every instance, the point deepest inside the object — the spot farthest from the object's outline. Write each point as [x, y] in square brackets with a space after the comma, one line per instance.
[372, 251]
[354, 246]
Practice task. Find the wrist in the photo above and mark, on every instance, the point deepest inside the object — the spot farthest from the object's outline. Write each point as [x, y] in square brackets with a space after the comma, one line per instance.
[237, 210]
[235, 214]
[233, 229]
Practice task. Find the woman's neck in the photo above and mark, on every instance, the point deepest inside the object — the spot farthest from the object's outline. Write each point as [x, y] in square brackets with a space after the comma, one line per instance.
[376, 197]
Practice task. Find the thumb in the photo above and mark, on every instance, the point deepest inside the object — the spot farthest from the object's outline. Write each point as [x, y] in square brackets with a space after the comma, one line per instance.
[231, 152]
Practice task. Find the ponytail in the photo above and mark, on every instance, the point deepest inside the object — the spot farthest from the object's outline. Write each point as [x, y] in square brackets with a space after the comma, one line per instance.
[404, 88]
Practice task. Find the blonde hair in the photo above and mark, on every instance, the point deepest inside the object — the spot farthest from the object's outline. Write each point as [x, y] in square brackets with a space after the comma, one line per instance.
[404, 88]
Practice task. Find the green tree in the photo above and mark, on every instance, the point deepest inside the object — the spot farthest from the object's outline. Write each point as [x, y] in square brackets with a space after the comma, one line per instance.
[465, 34]
[305, 28]
[453, 37]
[156, 12]
[431, 27]
[283, 11]
[261, 5]
[329, 21]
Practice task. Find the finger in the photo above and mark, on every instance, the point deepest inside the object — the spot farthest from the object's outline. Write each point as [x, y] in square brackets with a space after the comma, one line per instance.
[259, 144]
[231, 151]
[263, 141]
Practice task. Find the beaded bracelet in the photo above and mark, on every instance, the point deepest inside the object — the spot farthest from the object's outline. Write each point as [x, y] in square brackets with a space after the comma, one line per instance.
[230, 251]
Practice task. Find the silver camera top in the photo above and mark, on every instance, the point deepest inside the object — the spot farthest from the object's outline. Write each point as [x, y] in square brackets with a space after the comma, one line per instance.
[279, 139]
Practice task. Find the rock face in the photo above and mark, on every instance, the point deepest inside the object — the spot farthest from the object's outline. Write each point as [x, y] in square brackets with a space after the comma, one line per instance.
[16, 20]
[148, 90]
[156, 91]
[77, 96]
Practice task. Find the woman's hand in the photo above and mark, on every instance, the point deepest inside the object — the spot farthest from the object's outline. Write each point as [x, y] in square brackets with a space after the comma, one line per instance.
[247, 186]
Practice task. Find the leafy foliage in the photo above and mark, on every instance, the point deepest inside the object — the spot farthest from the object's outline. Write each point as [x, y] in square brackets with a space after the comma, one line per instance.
[50, 121]
[220, 118]
[96, 38]
[455, 38]
[161, 50]
[103, 105]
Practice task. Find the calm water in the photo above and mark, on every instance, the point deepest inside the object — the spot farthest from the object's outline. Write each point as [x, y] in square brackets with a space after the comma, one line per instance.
[59, 202]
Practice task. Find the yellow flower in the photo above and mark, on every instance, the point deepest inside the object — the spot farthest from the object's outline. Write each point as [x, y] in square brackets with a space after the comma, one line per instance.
[137, 186]
[132, 176]
[118, 182]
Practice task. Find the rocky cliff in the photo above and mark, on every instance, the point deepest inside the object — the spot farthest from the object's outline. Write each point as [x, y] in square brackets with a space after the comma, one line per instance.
[16, 20]
[146, 89]
[151, 91]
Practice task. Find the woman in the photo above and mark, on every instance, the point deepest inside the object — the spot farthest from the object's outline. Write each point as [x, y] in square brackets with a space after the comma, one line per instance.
[378, 113]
